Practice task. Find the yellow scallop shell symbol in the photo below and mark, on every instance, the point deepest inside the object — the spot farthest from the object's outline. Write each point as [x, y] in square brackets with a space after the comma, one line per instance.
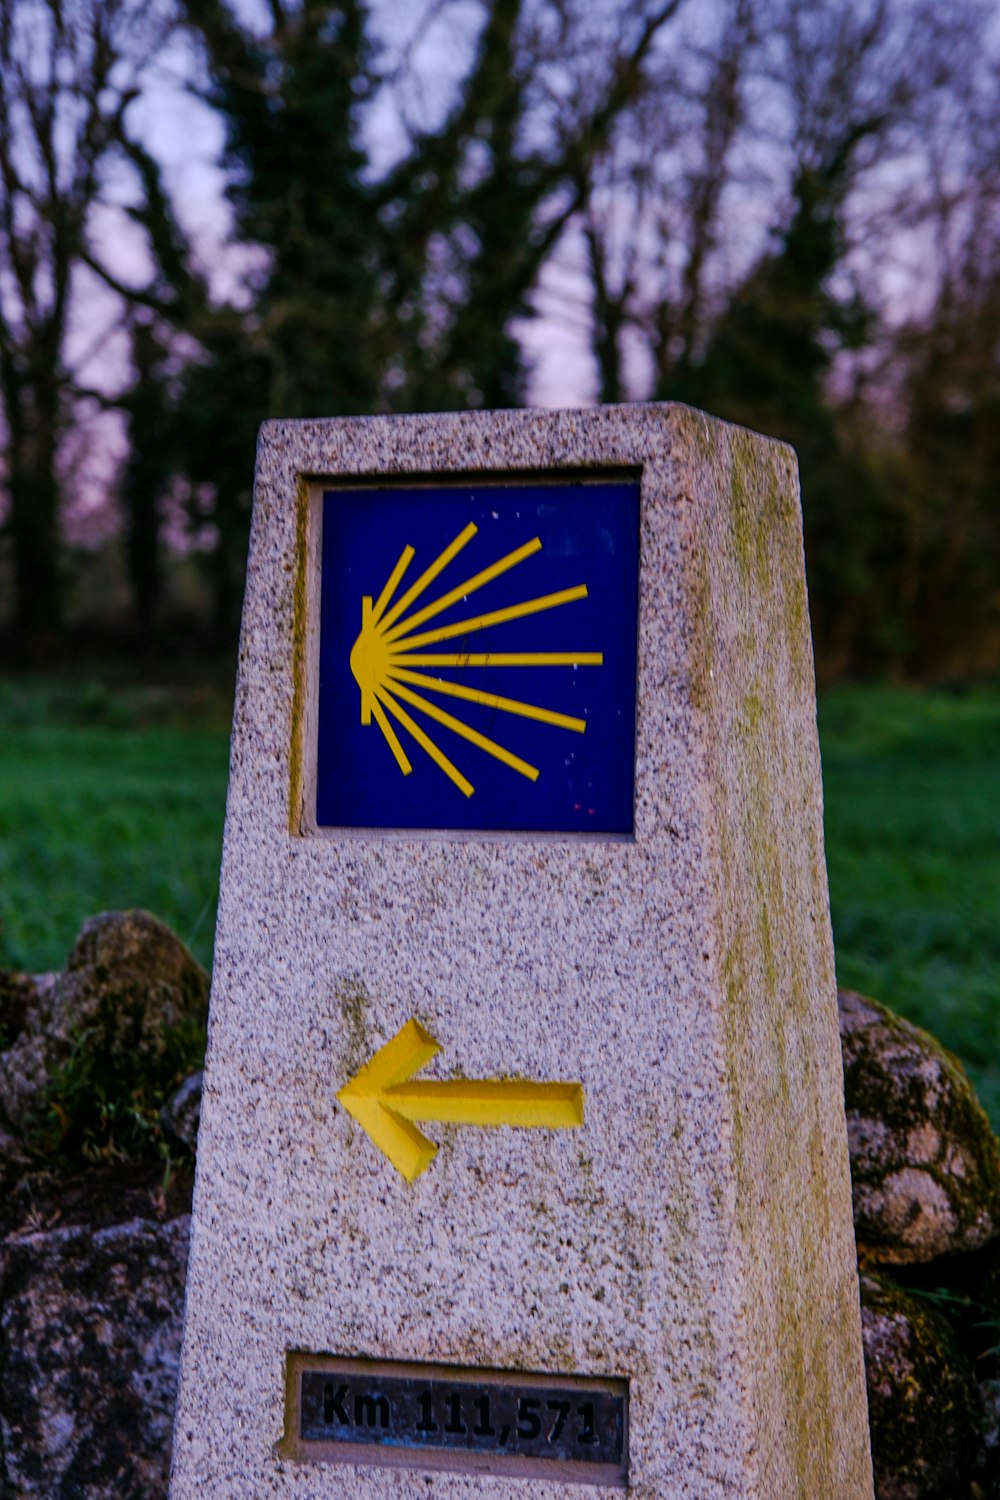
[391, 645]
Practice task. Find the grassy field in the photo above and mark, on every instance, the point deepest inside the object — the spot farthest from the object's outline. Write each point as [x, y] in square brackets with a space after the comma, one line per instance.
[912, 788]
[114, 797]
[109, 797]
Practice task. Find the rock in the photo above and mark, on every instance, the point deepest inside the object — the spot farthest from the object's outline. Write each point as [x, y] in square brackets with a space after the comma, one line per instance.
[19, 994]
[90, 1333]
[182, 1112]
[922, 1400]
[14, 1158]
[989, 1391]
[130, 988]
[925, 1165]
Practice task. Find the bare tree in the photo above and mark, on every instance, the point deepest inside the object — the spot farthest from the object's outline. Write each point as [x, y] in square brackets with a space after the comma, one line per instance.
[67, 77]
[653, 222]
[946, 363]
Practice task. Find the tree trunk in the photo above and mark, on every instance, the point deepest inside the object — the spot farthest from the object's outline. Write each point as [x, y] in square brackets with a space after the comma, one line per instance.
[143, 551]
[34, 496]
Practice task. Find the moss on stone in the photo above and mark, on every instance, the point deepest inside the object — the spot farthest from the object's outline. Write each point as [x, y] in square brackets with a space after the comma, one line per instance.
[923, 1409]
[299, 686]
[106, 1042]
[353, 1001]
[769, 980]
[753, 504]
[900, 1087]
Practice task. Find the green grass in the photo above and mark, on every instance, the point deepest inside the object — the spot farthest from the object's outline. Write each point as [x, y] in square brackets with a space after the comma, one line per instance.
[113, 797]
[107, 800]
[912, 787]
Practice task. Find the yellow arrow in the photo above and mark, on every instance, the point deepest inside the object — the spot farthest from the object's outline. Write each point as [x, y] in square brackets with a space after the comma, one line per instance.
[384, 1102]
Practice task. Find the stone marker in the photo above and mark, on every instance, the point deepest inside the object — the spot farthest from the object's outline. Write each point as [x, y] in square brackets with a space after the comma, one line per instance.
[522, 1158]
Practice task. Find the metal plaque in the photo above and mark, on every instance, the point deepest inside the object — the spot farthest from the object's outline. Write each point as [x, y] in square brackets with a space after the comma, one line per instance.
[572, 1428]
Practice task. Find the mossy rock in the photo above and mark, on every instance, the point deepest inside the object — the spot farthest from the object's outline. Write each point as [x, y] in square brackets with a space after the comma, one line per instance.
[923, 1404]
[925, 1165]
[105, 1043]
[19, 995]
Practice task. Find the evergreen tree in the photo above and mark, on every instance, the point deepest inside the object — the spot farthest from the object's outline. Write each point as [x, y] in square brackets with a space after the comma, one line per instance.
[398, 292]
[289, 100]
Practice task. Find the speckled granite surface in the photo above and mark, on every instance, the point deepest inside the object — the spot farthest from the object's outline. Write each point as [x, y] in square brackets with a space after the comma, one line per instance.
[695, 1236]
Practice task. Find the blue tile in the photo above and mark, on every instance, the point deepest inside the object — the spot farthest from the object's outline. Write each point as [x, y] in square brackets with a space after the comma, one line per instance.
[437, 639]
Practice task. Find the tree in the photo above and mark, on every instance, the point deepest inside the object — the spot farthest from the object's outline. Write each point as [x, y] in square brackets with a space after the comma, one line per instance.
[766, 200]
[290, 101]
[948, 364]
[148, 470]
[67, 77]
[655, 220]
[478, 205]
[402, 290]
[767, 366]
[399, 288]
[201, 374]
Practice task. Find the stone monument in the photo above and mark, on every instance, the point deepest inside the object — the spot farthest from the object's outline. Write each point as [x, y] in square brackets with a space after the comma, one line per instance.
[523, 1160]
